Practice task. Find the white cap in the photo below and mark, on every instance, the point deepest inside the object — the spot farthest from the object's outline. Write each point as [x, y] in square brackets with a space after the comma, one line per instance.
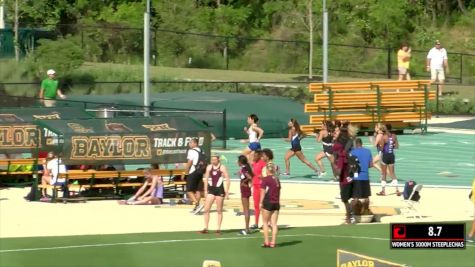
[51, 72]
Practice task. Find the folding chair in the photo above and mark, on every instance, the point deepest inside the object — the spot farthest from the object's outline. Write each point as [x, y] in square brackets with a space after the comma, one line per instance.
[413, 200]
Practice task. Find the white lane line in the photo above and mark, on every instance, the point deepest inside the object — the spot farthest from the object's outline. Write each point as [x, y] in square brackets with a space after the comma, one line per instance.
[434, 143]
[184, 240]
[465, 142]
[465, 164]
[193, 240]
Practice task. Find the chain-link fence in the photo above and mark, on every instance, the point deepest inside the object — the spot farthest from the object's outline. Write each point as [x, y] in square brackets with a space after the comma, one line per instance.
[116, 44]
[295, 90]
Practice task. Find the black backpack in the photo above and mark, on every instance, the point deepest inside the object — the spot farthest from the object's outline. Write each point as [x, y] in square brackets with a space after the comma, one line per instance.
[408, 188]
[353, 165]
[202, 163]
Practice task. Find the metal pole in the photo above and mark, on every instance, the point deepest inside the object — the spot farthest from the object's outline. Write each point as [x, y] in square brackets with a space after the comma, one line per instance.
[325, 42]
[461, 68]
[436, 102]
[82, 38]
[310, 48]
[225, 52]
[389, 62]
[146, 61]
[224, 129]
[2, 20]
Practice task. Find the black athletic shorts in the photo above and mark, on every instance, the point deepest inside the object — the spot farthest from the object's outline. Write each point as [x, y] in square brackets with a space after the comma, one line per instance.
[296, 148]
[388, 158]
[193, 181]
[361, 189]
[328, 151]
[271, 206]
[216, 191]
[346, 191]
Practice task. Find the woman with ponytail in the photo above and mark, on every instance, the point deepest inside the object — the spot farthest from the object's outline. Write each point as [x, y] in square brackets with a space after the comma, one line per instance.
[245, 174]
[294, 137]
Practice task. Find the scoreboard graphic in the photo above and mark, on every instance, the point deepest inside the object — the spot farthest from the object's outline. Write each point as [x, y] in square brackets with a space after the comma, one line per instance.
[427, 235]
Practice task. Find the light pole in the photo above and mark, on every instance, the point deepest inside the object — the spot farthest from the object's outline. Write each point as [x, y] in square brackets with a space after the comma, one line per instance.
[325, 42]
[146, 60]
[2, 21]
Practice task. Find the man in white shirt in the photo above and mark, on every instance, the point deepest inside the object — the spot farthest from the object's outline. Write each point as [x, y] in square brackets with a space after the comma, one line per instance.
[52, 169]
[437, 64]
[194, 177]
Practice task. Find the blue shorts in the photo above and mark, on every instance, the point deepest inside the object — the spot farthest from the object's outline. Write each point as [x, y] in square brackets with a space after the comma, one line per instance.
[254, 146]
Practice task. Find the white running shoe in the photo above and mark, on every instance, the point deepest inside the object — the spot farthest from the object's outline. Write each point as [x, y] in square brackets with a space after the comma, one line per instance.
[198, 209]
[243, 232]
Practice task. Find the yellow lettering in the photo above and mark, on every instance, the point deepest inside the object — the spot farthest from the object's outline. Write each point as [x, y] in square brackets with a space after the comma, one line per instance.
[111, 147]
[19, 136]
[94, 150]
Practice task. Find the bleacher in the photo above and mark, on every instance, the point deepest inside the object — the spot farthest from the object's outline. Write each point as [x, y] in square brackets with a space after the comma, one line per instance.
[404, 104]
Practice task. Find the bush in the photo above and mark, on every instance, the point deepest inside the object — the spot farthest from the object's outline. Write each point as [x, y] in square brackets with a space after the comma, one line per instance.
[63, 55]
[453, 106]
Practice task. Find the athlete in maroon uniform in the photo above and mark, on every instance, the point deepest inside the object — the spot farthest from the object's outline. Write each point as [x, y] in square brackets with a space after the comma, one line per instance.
[245, 174]
[270, 204]
[216, 188]
[340, 151]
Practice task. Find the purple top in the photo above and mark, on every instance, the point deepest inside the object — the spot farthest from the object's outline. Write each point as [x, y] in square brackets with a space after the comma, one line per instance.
[158, 192]
[272, 187]
[389, 146]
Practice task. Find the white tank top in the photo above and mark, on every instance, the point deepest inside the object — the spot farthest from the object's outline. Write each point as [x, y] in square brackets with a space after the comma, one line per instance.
[252, 135]
[296, 135]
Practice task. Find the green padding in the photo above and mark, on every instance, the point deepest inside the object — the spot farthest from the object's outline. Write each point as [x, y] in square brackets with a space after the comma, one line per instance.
[274, 112]
[15, 115]
[163, 139]
[18, 130]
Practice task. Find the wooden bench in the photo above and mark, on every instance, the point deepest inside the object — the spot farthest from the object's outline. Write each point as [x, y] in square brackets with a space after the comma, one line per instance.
[309, 129]
[361, 117]
[14, 177]
[366, 103]
[11, 162]
[402, 85]
[369, 100]
[371, 85]
[114, 179]
[343, 86]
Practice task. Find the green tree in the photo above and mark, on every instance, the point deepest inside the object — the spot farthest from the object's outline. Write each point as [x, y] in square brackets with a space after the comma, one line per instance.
[63, 55]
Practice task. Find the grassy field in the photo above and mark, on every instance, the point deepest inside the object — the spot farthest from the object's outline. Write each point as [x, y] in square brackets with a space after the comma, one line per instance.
[308, 246]
[135, 73]
[122, 72]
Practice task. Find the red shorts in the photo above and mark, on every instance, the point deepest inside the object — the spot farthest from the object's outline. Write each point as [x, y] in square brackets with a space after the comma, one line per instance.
[245, 191]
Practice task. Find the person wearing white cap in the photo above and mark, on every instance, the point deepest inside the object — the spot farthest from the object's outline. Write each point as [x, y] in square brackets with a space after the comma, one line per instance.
[437, 64]
[50, 89]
